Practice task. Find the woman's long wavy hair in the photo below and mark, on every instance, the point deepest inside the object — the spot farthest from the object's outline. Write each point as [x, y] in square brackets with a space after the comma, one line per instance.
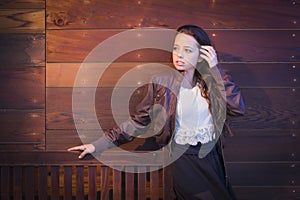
[202, 38]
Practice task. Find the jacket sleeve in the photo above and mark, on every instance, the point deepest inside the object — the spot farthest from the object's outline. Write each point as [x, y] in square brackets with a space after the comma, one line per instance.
[130, 128]
[234, 101]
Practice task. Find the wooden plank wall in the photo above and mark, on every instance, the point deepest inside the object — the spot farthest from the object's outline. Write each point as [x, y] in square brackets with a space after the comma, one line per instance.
[42, 45]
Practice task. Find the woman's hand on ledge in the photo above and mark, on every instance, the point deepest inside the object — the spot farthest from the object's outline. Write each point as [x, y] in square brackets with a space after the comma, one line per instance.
[85, 148]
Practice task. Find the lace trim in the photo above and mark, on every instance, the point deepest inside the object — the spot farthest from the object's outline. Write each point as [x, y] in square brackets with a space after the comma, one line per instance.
[193, 136]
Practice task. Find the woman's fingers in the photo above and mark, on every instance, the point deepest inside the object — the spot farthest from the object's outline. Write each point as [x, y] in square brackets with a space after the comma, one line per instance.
[83, 153]
[77, 148]
[86, 149]
[209, 54]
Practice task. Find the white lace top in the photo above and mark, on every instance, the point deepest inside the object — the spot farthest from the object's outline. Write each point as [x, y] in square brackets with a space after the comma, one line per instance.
[193, 119]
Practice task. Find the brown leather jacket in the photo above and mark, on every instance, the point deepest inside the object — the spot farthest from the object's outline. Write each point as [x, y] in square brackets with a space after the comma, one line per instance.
[163, 91]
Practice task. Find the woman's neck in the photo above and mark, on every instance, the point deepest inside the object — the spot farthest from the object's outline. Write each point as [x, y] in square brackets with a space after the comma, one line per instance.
[188, 80]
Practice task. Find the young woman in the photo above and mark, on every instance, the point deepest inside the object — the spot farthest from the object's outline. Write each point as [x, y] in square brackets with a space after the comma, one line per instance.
[192, 120]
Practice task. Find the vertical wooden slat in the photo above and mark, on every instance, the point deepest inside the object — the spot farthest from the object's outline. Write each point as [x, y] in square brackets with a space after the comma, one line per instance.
[129, 184]
[5, 183]
[17, 182]
[154, 183]
[29, 184]
[68, 182]
[104, 183]
[92, 174]
[42, 182]
[141, 184]
[80, 182]
[54, 182]
[117, 184]
[167, 183]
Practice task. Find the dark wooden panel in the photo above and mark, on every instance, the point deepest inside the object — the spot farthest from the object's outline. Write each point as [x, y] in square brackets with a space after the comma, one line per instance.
[232, 46]
[275, 108]
[248, 75]
[92, 193]
[54, 182]
[167, 183]
[264, 174]
[17, 182]
[68, 182]
[210, 14]
[22, 4]
[244, 74]
[29, 185]
[80, 182]
[240, 173]
[22, 21]
[117, 184]
[154, 183]
[27, 146]
[274, 193]
[129, 184]
[22, 88]
[21, 126]
[141, 184]
[5, 182]
[42, 182]
[19, 50]
[262, 145]
[104, 182]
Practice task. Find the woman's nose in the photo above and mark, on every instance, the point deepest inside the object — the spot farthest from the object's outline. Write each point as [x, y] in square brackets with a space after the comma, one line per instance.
[180, 54]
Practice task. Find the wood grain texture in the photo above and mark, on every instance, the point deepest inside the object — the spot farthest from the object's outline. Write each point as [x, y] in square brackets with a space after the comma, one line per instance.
[22, 88]
[246, 75]
[22, 126]
[232, 46]
[262, 174]
[13, 4]
[240, 173]
[249, 193]
[275, 108]
[22, 50]
[22, 21]
[155, 13]
[265, 108]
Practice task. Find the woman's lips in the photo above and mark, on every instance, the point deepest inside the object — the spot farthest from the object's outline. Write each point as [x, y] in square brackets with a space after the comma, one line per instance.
[179, 63]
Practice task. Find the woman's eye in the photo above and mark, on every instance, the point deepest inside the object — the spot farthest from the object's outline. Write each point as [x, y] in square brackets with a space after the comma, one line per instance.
[188, 50]
[175, 48]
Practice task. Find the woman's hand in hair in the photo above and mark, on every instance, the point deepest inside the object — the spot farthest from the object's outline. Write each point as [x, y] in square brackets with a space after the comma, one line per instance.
[86, 149]
[209, 54]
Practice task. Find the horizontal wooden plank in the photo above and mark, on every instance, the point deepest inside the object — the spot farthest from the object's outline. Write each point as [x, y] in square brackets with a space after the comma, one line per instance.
[275, 108]
[250, 193]
[262, 145]
[22, 88]
[264, 174]
[12, 4]
[22, 126]
[236, 149]
[244, 74]
[22, 147]
[156, 13]
[232, 46]
[19, 50]
[22, 21]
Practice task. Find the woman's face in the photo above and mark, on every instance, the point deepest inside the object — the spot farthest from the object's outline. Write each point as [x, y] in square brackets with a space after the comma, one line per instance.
[186, 52]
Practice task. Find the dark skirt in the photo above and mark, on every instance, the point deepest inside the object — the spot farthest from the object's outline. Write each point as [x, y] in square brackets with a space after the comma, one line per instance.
[200, 178]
